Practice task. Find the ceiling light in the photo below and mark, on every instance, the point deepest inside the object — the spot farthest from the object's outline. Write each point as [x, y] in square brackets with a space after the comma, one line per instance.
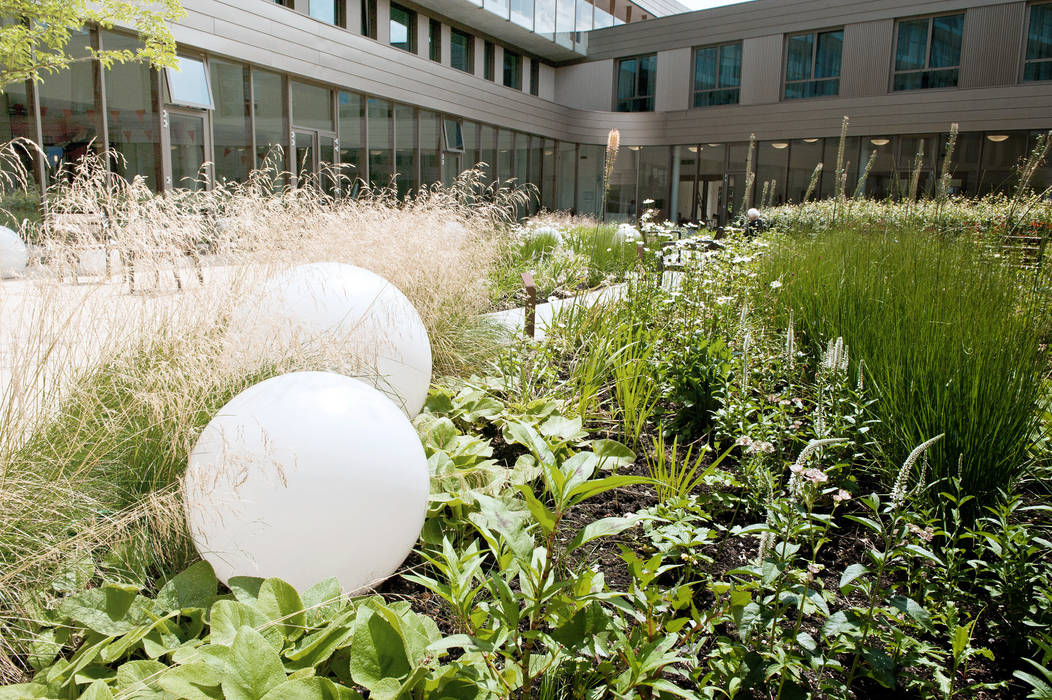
[634, 148]
[997, 138]
[714, 145]
[692, 149]
[880, 142]
[810, 140]
[779, 145]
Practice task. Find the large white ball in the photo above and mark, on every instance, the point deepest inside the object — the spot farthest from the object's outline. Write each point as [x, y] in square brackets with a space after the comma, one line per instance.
[306, 476]
[355, 320]
[13, 253]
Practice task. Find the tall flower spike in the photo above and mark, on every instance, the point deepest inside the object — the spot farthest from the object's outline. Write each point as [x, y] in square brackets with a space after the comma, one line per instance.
[805, 454]
[898, 491]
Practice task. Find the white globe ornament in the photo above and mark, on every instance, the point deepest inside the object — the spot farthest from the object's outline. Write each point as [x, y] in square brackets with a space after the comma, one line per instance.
[354, 320]
[13, 253]
[306, 476]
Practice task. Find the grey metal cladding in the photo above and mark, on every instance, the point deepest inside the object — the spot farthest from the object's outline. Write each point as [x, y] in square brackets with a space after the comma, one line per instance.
[866, 64]
[992, 47]
[761, 69]
[756, 18]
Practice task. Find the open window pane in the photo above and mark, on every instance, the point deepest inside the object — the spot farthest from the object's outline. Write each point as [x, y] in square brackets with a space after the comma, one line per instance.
[454, 136]
[188, 84]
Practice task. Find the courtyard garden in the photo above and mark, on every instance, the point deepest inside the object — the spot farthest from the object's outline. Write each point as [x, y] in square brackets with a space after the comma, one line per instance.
[810, 462]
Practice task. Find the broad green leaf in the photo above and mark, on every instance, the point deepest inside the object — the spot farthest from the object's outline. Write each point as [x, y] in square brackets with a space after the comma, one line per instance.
[595, 487]
[111, 610]
[228, 616]
[377, 650]
[582, 626]
[839, 624]
[911, 608]
[927, 554]
[612, 453]
[194, 588]
[316, 648]
[139, 678]
[23, 691]
[322, 600]
[520, 433]
[544, 517]
[604, 527]
[96, 691]
[281, 604]
[253, 667]
[194, 681]
[851, 573]
[579, 469]
[75, 576]
[562, 428]
[245, 588]
[311, 689]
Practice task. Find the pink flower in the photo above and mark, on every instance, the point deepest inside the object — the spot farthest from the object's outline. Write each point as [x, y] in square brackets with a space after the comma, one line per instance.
[841, 495]
[796, 468]
[817, 476]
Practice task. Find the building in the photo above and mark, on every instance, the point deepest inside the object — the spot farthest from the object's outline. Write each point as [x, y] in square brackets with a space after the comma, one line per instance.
[418, 91]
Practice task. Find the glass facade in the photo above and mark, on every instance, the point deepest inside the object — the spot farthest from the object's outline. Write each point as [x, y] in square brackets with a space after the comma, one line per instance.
[378, 127]
[269, 118]
[512, 70]
[636, 81]
[434, 40]
[231, 120]
[1039, 44]
[352, 141]
[405, 148]
[717, 75]
[928, 52]
[131, 105]
[69, 118]
[461, 51]
[812, 66]
[403, 28]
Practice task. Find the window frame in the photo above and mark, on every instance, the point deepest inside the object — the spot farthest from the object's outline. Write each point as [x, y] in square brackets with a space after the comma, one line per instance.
[930, 18]
[694, 73]
[434, 39]
[814, 62]
[470, 50]
[517, 70]
[1026, 43]
[535, 77]
[489, 61]
[447, 147]
[635, 95]
[411, 28]
[369, 19]
[203, 60]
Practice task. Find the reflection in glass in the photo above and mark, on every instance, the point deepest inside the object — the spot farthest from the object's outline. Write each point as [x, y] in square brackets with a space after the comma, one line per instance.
[717, 75]
[188, 84]
[381, 165]
[928, 52]
[405, 148]
[311, 106]
[589, 179]
[403, 28]
[566, 157]
[351, 122]
[187, 147]
[270, 119]
[461, 51]
[431, 148]
[803, 158]
[636, 78]
[522, 13]
[1039, 44]
[231, 141]
[68, 113]
[133, 127]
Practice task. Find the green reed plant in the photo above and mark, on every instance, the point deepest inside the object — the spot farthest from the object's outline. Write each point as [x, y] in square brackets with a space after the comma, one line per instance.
[676, 474]
[949, 335]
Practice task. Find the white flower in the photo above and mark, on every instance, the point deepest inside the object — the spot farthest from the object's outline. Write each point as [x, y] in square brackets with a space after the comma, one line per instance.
[776, 284]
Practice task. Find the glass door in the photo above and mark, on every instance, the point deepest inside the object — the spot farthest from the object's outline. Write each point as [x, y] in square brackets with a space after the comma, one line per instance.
[189, 149]
[305, 153]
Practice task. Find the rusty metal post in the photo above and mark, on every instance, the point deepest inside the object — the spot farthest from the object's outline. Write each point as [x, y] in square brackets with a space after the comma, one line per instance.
[531, 304]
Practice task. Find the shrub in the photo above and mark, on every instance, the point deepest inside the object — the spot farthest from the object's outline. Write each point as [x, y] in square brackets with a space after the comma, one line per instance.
[948, 333]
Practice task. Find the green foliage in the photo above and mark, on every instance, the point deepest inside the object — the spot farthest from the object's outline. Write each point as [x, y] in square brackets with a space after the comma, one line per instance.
[36, 46]
[948, 334]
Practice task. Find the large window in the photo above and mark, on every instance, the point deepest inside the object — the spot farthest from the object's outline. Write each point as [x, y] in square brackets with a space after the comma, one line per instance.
[230, 120]
[535, 76]
[1039, 44]
[812, 64]
[462, 51]
[636, 78]
[717, 75]
[928, 52]
[403, 28]
[369, 18]
[512, 70]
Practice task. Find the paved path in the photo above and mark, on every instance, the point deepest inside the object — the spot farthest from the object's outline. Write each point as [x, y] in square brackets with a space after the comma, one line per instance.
[515, 319]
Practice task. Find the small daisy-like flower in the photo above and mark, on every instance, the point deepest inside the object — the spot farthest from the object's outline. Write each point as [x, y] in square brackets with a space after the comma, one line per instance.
[841, 496]
[776, 284]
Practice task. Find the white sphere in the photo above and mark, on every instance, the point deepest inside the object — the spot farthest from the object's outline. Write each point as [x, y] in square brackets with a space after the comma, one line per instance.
[356, 321]
[13, 253]
[306, 476]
